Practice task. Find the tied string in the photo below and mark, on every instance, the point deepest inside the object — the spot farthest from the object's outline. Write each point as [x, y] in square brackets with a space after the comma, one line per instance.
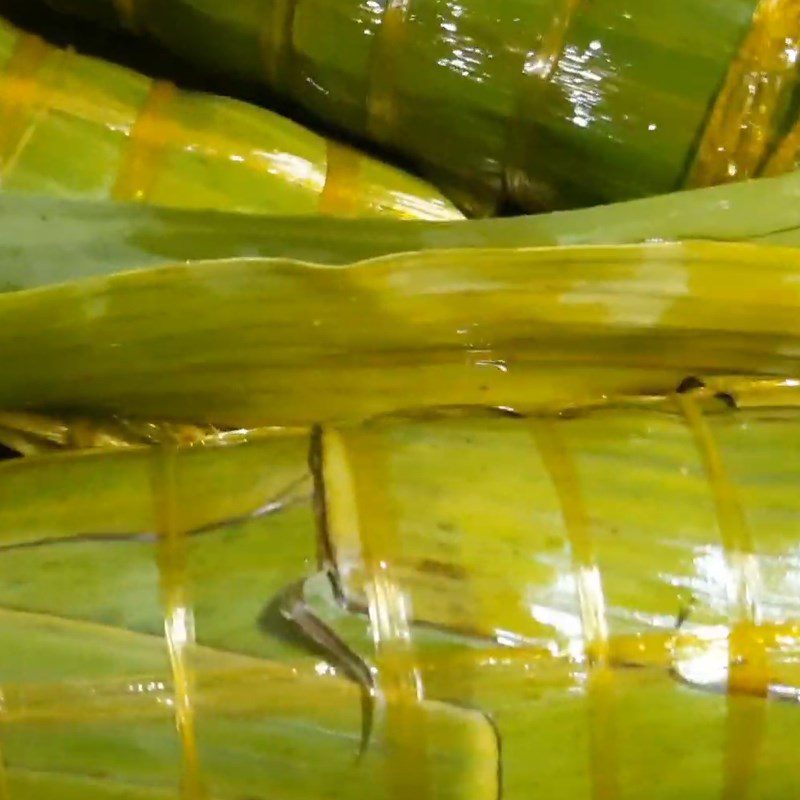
[276, 41]
[563, 472]
[398, 685]
[381, 106]
[540, 64]
[748, 668]
[23, 97]
[128, 12]
[5, 793]
[744, 120]
[341, 195]
[178, 617]
[786, 156]
[156, 132]
[148, 140]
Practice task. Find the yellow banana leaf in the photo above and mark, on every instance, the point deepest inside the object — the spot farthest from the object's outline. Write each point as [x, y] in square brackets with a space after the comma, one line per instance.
[250, 342]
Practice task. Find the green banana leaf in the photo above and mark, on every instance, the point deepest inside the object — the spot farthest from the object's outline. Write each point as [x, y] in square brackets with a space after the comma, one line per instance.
[73, 126]
[248, 342]
[290, 691]
[47, 240]
[91, 689]
[547, 103]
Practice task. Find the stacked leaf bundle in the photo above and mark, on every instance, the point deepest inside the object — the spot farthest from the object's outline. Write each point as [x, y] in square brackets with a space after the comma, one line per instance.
[372, 509]
[79, 127]
[545, 103]
[571, 554]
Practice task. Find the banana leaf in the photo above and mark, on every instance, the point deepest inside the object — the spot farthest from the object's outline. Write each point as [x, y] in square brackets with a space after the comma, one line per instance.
[249, 342]
[47, 240]
[497, 518]
[73, 126]
[546, 103]
[594, 565]
[96, 676]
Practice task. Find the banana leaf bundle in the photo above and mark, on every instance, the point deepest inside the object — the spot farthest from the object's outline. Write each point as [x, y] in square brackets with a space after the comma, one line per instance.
[323, 614]
[320, 509]
[47, 241]
[545, 103]
[572, 553]
[73, 126]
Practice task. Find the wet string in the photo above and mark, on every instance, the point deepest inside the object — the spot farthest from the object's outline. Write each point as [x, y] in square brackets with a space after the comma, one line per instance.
[542, 62]
[276, 41]
[786, 155]
[748, 668]
[5, 793]
[743, 123]
[340, 196]
[23, 97]
[127, 11]
[399, 680]
[154, 132]
[382, 111]
[171, 557]
[563, 472]
[538, 69]
[148, 140]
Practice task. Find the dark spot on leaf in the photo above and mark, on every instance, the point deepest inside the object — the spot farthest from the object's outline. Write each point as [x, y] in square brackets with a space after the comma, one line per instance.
[690, 384]
[728, 399]
[445, 570]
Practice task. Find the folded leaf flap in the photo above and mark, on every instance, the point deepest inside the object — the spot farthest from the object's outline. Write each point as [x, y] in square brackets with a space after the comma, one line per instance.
[517, 328]
[106, 495]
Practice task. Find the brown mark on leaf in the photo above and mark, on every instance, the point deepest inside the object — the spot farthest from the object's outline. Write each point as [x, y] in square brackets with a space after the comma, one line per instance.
[442, 569]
